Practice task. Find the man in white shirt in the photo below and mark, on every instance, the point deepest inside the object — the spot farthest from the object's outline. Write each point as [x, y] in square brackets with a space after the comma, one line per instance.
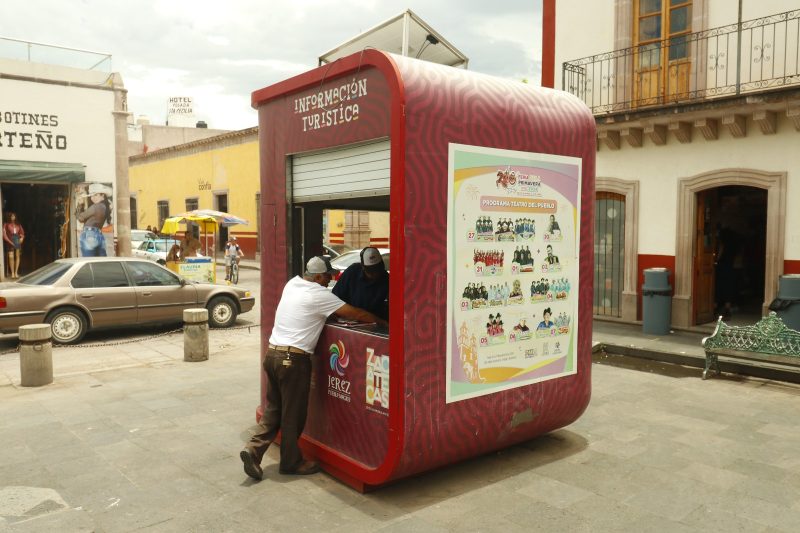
[232, 253]
[305, 305]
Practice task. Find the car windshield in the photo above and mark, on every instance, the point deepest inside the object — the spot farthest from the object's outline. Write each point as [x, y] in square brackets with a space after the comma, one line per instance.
[348, 258]
[47, 275]
[345, 260]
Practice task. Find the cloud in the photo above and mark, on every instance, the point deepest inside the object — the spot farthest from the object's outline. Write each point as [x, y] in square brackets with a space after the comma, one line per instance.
[219, 53]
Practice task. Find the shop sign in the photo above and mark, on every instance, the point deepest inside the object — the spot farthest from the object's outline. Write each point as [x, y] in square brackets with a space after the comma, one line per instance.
[338, 384]
[180, 105]
[377, 382]
[332, 106]
[30, 131]
[513, 241]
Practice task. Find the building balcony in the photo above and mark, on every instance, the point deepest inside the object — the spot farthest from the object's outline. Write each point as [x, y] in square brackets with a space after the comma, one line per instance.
[760, 56]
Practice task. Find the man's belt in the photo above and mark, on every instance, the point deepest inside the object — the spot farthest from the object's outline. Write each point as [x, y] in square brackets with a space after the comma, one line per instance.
[287, 349]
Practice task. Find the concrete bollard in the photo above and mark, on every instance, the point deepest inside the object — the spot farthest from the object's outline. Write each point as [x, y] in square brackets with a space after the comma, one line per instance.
[195, 335]
[35, 355]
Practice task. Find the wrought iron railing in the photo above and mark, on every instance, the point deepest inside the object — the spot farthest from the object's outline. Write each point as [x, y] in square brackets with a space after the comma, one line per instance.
[54, 55]
[759, 54]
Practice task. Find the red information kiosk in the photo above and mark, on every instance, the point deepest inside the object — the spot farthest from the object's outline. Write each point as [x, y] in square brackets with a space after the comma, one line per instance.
[489, 185]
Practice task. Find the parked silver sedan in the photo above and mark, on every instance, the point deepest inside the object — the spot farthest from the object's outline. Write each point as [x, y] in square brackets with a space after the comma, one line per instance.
[75, 295]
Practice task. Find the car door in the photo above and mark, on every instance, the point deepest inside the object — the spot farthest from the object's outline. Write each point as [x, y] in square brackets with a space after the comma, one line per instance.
[104, 290]
[143, 248]
[161, 296]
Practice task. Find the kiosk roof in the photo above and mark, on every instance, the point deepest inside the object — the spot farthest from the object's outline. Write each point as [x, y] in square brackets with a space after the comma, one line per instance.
[405, 34]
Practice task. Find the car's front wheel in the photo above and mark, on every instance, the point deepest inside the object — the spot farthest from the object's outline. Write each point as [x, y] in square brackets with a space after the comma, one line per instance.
[222, 312]
[67, 325]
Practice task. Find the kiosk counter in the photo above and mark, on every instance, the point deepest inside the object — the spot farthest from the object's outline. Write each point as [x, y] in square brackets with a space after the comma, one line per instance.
[489, 186]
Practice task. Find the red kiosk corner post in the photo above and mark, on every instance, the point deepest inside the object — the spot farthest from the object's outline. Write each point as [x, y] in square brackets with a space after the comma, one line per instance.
[489, 186]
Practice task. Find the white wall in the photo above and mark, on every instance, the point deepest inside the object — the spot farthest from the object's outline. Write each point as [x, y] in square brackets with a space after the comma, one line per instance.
[753, 9]
[658, 169]
[582, 29]
[85, 125]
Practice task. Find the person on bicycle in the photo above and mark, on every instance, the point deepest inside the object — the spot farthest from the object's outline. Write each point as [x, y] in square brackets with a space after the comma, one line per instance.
[232, 253]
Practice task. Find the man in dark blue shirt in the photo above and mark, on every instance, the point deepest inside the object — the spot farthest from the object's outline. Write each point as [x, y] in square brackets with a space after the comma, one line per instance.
[366, 284]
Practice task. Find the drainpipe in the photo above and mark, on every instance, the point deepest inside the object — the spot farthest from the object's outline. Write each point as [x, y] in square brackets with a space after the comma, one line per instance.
[739, 50]
[122, 196]
[549, 43]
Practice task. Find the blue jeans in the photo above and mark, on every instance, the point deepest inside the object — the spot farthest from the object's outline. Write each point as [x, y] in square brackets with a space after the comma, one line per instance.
[92, 242]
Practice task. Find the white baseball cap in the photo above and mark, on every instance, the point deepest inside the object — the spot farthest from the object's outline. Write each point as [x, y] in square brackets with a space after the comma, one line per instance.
[320, 265]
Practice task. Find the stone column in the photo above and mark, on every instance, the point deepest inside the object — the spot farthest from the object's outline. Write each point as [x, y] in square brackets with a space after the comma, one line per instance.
[122, 217]
[35, 355]
[356, 229]
[195, 335]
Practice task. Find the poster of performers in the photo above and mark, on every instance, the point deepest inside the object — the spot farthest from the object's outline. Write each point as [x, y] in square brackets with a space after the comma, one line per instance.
[94, 219]
[512, 274]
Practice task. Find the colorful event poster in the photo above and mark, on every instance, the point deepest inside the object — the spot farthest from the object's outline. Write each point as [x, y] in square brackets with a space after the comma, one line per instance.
[512, 271]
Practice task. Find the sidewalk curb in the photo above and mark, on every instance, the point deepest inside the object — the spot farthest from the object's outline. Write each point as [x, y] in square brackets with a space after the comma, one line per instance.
[759, 370]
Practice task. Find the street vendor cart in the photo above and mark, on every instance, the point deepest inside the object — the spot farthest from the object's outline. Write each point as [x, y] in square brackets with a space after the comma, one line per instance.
[489, 186]
[201, 268]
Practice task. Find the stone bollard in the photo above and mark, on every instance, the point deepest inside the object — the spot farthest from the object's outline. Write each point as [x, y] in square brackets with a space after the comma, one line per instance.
[195, 335]
[35, 355]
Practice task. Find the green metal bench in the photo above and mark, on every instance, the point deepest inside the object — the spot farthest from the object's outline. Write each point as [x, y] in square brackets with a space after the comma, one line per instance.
[768, 340]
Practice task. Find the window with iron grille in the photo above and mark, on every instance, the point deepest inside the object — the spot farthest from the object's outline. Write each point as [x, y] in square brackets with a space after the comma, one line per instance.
[134, 214]
[163, 212]
[609, 254]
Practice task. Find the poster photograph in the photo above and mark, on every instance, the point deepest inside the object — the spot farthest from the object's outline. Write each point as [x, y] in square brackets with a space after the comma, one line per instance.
[512, 244]
[94, 219]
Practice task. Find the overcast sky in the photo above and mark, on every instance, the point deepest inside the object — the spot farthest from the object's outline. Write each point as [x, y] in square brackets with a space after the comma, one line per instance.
[219, 52]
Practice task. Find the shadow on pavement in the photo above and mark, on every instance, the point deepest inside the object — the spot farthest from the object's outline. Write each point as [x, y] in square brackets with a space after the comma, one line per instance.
[646, 365]
[432, 488]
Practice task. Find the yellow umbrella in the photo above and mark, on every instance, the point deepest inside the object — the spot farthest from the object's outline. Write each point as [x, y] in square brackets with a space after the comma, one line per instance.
[171, 224]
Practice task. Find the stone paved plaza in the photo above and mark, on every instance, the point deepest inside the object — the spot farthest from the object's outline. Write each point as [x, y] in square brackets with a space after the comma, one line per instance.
[147, 442]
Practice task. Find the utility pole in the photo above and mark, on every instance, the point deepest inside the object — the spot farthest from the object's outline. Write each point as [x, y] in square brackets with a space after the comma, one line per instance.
[548, 43]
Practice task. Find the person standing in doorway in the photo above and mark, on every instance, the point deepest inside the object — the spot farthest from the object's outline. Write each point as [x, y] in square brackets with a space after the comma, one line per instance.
[92, 242]
[366, 284]
[13, 235]
[305, 305]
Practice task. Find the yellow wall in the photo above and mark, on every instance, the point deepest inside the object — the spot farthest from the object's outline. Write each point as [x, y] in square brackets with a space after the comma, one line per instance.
[176, 175]
[335, 226]
[378, 225]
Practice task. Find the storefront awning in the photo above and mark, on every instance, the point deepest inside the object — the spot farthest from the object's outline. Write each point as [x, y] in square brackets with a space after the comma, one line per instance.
[41, 171]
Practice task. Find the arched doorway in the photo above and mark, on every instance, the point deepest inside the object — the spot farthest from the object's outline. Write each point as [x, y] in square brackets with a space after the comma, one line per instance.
[774, 184]
[730, 251]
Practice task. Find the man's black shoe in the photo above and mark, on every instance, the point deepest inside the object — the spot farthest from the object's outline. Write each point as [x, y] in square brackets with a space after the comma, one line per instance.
[305, 469]
[250, 467]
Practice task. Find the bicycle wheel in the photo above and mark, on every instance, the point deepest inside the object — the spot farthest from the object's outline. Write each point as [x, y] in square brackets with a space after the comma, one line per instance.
[235, 273]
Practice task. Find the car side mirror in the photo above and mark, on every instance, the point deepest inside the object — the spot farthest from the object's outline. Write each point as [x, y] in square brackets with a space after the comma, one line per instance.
[183, 282]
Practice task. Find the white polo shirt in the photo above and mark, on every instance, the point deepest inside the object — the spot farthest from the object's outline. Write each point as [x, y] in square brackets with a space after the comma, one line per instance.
[301, 314]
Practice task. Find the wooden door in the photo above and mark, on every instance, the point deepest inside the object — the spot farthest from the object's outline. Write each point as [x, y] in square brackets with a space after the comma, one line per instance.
[661, 59]
[705, 246]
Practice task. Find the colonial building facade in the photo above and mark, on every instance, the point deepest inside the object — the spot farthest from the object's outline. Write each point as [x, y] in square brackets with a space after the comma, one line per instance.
[697, 104]
[62, 137]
